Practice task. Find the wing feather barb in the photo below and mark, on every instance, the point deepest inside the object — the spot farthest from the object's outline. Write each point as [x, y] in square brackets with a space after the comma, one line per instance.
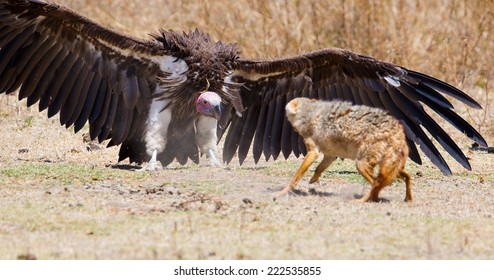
[89, 103]
[279, 116]
[259, 135]
[248, 132]
[444, 88]
[100, 110]
[65, 90]
[27, 60]
[108, 121]
[73, 104]
[83, 99]
[35, 84]
[232, 139]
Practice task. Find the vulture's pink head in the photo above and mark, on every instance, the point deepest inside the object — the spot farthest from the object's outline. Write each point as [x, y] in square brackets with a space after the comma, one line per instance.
[208, 104]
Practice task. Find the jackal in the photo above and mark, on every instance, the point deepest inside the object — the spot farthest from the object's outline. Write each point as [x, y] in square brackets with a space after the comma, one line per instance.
[338, 129]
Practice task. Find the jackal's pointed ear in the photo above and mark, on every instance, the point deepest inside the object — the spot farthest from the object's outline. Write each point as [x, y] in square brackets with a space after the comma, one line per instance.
[291, 107]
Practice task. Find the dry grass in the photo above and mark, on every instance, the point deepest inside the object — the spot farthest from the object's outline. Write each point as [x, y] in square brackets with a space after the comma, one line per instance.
[59, 201]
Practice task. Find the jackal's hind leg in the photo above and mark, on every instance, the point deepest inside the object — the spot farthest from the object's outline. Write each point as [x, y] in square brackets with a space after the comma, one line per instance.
[408, 182]
[366, 170]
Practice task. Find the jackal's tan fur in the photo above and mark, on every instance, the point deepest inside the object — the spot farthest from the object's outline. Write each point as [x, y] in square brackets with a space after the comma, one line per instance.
[368, 135]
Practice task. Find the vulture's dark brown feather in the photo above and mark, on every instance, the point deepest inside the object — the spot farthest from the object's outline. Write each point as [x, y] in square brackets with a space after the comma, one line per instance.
[96, 126]
[56, 79]
[79, 103]
[71, 105]
[233, 139]
[36, 83]
[278, 117]
[121, 123]
[27, 60]
[295, 139]
[8, 54]
[257, 147]
[108, 120]
[101, 98]
[60, 95]
[286, 138]
[268, 128]
[247, 132]
[88, 104]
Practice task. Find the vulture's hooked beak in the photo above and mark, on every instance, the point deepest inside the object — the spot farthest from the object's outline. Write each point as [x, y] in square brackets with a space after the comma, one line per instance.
[216, 111]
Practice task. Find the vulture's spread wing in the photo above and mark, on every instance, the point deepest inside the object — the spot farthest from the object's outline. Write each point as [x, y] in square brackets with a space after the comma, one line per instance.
[339, 74]
[76, 68]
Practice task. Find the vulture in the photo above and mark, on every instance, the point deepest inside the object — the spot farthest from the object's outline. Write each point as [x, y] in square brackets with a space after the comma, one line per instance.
[142, 94]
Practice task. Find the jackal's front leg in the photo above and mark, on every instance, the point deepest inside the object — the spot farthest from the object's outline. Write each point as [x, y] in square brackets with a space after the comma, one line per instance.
[312, 153]
[323, 165]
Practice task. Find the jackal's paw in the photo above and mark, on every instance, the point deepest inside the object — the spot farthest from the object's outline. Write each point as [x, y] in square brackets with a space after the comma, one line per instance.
[314, 180]
[281, 193]
[359, 200]
[367, 199]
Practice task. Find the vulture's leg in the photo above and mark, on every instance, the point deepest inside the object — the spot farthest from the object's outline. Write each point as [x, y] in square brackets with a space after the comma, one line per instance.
[153, 164]
[212, 158]
[157, 124]
[206, 138]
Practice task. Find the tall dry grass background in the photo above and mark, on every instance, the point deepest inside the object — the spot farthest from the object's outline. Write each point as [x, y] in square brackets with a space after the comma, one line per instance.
[452, 40]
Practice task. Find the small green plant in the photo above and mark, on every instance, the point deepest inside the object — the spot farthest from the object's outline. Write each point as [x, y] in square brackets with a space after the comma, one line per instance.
[28, 121]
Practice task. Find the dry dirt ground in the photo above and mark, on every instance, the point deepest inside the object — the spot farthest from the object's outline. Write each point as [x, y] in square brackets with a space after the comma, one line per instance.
[60, 201]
